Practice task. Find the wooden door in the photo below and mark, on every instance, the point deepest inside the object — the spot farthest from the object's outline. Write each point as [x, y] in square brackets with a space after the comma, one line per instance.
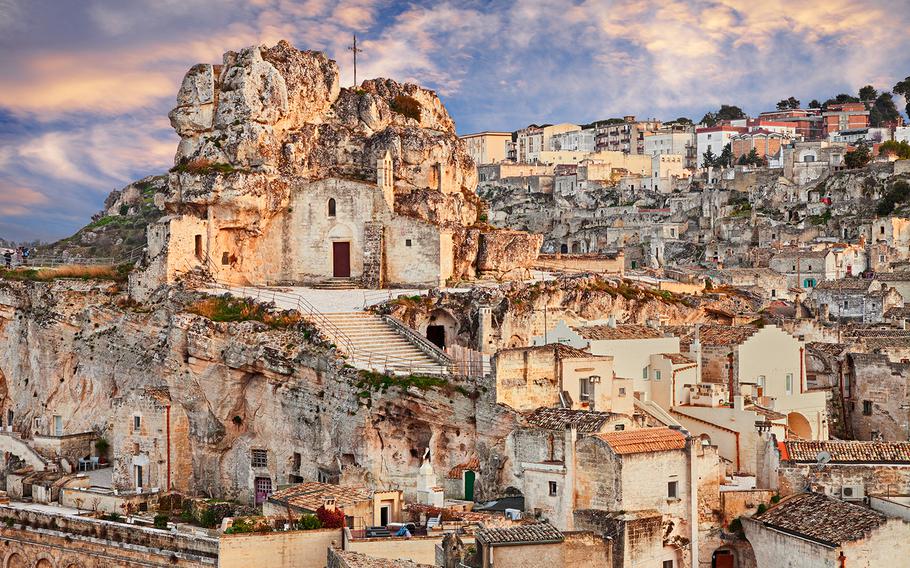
[341, 260]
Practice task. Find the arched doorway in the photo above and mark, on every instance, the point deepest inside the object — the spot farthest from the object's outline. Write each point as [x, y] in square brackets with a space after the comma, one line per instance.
[44, 563]
[16, 560]
[798, 426]
[441, 328]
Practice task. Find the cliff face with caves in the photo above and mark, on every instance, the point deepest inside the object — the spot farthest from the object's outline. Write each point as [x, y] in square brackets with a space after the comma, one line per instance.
[70, 348]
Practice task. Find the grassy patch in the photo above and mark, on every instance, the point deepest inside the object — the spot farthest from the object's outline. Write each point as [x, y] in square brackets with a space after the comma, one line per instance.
[820, 219]
[118, 273]
[407, 106]
[202, 166]
[228, 308]
[371, 382]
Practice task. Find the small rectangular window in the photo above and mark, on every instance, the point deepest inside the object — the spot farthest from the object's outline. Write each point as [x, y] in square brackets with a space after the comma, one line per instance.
[789, 384]
[656, 375]
[672, 489]
[644, 373]
[137, 423]
[553, 489]
[407, 242]
[622, 391]
[259, 458]
[668, 564]
[619, 427]
[197, 246]
[867, 407]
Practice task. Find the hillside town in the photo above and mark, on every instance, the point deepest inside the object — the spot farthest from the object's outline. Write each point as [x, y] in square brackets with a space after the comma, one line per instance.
[338, 334]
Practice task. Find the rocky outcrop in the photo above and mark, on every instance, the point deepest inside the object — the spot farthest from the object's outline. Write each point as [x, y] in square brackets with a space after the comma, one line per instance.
[70, 348]
[259, 129]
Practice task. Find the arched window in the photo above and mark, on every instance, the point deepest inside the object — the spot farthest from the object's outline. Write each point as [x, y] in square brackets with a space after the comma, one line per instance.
[332, 207]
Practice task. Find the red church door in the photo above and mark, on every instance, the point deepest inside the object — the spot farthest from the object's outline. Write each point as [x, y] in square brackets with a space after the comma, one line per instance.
[341, 260]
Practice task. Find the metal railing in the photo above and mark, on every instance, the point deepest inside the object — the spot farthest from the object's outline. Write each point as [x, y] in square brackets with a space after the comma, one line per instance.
[44, 261]
[291, 300]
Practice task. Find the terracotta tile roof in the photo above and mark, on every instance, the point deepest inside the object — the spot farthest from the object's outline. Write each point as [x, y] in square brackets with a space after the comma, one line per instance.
[855, 284]
[456, 472]
[561, 351]
[311, 495]
[623, 331]
[558, 418]
[901, 276]
[643, 440]
[535, 533]
[678, 358]
[714, 334]
[876, 331]
[830, 349]
[848, 451]
[898, 312]
[766, 412]
[353, 559]
[821, 518]
[874, 343]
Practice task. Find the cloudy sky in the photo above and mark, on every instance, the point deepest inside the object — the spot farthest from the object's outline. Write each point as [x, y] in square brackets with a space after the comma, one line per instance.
[85, 85]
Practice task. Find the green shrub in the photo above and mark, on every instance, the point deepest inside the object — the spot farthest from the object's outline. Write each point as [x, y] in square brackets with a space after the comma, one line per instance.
[161, 521]
[761, 509]
[310, 522]
[407, 106]
[209, 518]
[114, 517]
[775, 499]
[228, 308]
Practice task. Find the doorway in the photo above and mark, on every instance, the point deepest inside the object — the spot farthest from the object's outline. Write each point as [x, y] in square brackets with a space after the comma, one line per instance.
[722, 559]
[341, 259]
[469, 485]
[436, 334]
[384, 515]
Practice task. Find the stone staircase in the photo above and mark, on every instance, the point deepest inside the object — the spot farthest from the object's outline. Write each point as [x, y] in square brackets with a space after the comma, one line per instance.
[12, 443]
[337, 284]
[376, 344]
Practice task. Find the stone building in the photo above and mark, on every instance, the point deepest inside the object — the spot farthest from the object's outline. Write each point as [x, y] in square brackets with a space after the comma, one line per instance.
[805, 162]
[849, 470]
[878, 397]
[641, 488]
[559, 375]
[813, 530]
[804, 268]
[539, 544]
[362, 508]
[487, 147]
[854, 299]
[149, 441]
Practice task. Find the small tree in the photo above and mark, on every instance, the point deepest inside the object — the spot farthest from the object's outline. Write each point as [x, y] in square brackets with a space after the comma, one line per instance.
[815, 104]
[858, 158]
[903, 88]
[709, 159]
[868, 93]
[753, 158]
[311, 522]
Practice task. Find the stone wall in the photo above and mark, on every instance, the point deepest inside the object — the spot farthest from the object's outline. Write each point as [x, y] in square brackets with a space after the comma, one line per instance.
[878, 388]
[877, 479]
[92, 543]
[281, 549]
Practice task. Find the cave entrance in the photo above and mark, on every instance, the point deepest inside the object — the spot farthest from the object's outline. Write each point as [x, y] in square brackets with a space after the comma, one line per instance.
[436, 334]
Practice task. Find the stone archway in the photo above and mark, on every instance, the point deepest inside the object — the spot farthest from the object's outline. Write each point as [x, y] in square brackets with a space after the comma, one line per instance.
[798, 426]
[16, 560]
[44, 563]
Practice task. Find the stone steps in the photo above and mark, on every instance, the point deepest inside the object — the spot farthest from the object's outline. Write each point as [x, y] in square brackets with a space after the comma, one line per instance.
[378, 345]
[337, 284]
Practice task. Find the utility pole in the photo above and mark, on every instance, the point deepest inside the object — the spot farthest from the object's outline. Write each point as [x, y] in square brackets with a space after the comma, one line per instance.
[355, 50]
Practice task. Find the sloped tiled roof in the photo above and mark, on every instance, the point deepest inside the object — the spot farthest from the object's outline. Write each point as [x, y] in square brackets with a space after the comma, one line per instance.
[847, 451]
[312, 494]
[623, 331]
[821, 518]
[901, 276]
[561, 351]
[678, 358]
[845, 284]
[456, 472]
[534, 533]
[724, 334]
[558, 418]
[643, 440]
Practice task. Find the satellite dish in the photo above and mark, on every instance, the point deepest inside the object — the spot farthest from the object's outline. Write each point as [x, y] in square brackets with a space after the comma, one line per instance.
[822, 458]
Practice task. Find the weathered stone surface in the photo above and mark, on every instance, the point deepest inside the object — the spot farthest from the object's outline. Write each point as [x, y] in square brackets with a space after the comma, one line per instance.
[501, 252]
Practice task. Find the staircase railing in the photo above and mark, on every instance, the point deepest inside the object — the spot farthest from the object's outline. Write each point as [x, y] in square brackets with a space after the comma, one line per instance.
[297, 302]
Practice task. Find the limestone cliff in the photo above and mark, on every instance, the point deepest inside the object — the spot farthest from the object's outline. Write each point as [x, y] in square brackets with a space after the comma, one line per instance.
[70, 348]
